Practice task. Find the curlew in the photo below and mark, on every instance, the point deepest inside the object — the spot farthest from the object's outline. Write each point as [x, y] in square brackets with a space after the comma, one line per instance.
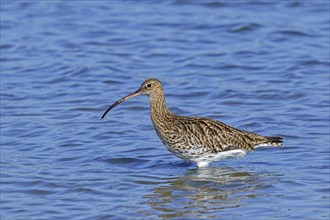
[196, 139]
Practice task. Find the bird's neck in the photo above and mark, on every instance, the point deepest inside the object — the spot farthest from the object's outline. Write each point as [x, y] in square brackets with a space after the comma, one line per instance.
[158, 108]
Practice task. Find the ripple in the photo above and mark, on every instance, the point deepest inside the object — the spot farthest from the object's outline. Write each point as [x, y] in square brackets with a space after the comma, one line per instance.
[125, 161]
[245, 27]
[292, 33]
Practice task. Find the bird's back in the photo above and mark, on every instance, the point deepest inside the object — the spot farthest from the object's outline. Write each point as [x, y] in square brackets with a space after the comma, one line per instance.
[204, 136]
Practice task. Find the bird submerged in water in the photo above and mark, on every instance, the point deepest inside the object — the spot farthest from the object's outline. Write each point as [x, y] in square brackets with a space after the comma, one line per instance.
[196, 139]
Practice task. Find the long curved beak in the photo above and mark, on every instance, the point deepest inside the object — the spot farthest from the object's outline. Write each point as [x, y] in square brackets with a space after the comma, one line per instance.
[136, 93]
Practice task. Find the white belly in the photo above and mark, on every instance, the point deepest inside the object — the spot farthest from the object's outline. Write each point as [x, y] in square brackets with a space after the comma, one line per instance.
[204, 160]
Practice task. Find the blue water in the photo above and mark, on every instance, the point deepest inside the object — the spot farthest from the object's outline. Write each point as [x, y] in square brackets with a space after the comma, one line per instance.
[261, 66]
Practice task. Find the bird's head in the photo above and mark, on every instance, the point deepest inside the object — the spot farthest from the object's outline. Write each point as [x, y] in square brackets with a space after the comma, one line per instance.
[148, 87]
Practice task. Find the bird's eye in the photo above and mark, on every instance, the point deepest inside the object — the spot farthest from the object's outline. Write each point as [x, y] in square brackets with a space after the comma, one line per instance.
[148, 86]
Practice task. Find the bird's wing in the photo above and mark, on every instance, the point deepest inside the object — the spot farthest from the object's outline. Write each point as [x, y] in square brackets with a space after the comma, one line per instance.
[216, 135]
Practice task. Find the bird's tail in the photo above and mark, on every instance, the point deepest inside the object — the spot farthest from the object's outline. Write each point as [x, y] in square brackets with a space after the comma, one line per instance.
[271, 142]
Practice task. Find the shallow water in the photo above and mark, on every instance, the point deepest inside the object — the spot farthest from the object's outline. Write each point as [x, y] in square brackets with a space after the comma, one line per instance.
[261, 66]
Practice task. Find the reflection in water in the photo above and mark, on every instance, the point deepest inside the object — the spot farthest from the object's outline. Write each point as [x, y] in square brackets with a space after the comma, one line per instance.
[201, 192]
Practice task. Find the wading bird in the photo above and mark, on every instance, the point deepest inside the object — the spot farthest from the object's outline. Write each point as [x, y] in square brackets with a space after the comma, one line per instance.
[196, 139]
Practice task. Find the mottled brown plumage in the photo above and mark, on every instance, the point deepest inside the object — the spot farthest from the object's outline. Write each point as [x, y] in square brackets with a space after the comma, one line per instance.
[196, 139]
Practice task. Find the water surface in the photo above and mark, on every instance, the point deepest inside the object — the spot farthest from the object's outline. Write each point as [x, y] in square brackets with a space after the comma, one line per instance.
[261, 66]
